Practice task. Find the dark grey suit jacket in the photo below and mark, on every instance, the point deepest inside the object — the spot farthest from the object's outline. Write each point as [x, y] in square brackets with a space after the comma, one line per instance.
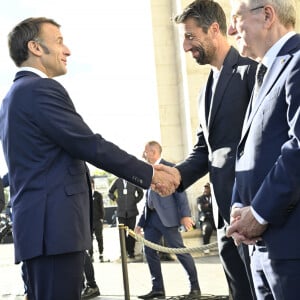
[170, 209]
[215, 149]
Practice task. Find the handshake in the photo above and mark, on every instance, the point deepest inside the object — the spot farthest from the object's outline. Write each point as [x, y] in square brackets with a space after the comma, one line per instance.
[165, 180]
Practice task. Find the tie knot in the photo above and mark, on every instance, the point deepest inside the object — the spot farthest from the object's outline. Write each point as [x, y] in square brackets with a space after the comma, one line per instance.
[261, 71]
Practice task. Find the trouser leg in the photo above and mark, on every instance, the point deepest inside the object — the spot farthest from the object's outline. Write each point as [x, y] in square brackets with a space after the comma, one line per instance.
[234, 268]
[55, 277]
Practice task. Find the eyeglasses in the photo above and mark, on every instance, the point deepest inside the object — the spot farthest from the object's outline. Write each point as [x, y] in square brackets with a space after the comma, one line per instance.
[237, 16]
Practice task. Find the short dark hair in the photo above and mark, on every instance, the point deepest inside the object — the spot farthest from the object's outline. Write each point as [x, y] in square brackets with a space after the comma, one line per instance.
[27, 30]
[204, 12]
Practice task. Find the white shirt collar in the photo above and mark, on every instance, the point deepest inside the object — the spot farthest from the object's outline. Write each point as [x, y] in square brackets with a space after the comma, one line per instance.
[216, 75]
[271, 54]
[158, 161]
[34, 70]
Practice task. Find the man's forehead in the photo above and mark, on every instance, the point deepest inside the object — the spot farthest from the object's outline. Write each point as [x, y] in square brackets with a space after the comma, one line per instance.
[190, 23]
[191, 27]
[48, 28]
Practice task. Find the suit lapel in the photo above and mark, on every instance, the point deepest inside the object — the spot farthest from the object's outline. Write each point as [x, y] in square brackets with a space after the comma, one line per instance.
[225, 76]
[202, 117]
[201, 105]
[277, 68]
[281, 62]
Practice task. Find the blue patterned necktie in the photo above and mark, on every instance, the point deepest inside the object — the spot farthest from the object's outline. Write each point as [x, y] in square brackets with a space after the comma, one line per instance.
[262, 69]
[259, 78]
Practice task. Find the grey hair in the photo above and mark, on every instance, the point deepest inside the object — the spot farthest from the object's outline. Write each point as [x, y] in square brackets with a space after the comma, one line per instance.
[285, 9]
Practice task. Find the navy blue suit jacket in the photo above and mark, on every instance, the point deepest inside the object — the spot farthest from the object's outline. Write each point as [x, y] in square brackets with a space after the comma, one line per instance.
[46, 144]
[268, 158]
[170, 209]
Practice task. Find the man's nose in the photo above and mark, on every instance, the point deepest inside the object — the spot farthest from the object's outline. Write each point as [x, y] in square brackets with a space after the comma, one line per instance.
[231, 29]
[187, 45]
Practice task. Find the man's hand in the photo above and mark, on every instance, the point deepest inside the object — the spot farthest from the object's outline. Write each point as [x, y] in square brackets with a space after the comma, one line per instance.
[166, 179]
[244, 228]
[138, 230]
[187, 222]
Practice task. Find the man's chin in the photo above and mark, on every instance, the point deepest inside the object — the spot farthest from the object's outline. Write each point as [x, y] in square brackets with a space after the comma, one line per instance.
[62, 72]
[200, 62]
[244, 51]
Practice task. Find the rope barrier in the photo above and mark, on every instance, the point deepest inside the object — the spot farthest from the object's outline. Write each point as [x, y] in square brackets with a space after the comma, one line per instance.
[160, 248]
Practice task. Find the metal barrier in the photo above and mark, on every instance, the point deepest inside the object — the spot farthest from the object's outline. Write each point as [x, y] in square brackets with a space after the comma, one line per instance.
[160, 248]
[122, 229]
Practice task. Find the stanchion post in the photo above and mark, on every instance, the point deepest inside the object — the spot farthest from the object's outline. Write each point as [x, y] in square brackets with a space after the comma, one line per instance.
[124, 261]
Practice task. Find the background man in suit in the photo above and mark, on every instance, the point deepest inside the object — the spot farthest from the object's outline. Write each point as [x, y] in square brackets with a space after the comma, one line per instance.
[127, 196]
[268, 164]
[206, 219]
[162, 217]
[46, 144]
[98, 217]
[229, 88]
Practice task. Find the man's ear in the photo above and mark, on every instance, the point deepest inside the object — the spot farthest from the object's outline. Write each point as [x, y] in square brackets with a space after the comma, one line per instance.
[35, 48]
[214, 28]
[269, 15]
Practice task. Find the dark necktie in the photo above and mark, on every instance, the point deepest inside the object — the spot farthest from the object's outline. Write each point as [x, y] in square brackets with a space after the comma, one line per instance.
[259, 77]
[208, 96]
[261, 71]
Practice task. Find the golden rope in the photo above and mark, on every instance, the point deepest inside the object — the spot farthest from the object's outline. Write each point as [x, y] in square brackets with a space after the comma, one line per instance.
[160, 248]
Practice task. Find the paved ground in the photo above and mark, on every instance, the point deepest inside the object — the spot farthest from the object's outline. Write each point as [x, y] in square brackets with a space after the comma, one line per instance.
[109, 275]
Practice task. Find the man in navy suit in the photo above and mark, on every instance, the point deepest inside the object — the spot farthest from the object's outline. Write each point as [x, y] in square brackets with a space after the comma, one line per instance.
[222, 106]
[46, 144]
[266, 195]
[161, 218]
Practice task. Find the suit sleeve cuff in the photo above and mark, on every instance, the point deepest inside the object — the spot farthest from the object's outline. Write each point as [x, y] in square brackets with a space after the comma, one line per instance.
[258, 218]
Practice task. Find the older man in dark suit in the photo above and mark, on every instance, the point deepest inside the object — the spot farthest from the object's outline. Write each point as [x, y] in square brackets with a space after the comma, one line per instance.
[46, 144]
[267, 191]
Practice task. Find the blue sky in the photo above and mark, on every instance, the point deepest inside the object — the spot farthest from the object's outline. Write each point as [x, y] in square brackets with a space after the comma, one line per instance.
[111, 72]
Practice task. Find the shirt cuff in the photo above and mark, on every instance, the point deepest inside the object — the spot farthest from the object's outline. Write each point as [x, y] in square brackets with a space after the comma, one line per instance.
[237, 205]
[258, 218]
